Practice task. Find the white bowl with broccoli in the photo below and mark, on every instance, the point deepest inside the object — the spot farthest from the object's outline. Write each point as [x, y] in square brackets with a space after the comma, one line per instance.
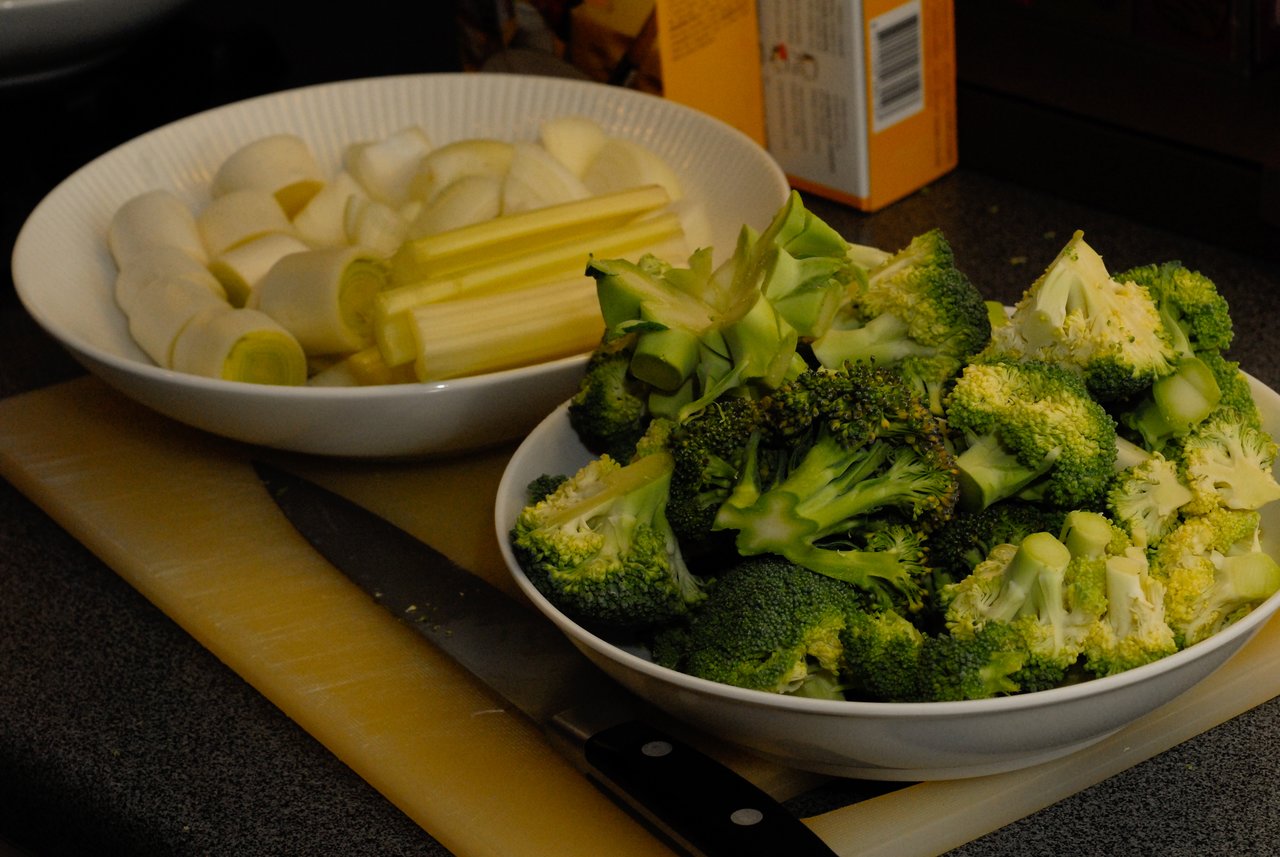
[842, 571]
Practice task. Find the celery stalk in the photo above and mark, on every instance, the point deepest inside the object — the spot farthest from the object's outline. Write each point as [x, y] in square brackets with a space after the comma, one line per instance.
[444, 252]
[471, 336]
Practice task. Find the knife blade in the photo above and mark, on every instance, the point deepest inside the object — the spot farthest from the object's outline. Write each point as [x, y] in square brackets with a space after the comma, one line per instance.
[699, 805]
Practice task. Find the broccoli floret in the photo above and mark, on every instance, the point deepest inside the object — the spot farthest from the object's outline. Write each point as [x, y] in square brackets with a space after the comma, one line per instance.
[957, 546]
[1172, 406]
[610, 410]
[1075, 315]
[1023, 587]
[1214, 571]
[973, 666]
[543, 486]
[1235, 394]
[1091, 539]
[1228, 462]
[1032, 432]
[1193, 310]
[708, 449]
[882, 650]
[1133, 630]
[600, 548]
[1147, 498]
[767, 624]
[704, 331]
[848, 470]
[916, 311]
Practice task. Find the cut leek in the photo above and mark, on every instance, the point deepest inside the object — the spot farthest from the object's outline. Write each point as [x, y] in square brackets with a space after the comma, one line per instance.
[364, 368]
[466, 201]
[240, 216]
[476, 335]
[622, 163]
[240, 269]
[572, 140]
[237, 344]
[170, 302]
[146, 265]
[385, 168]
[156, 218]
[281, 164]
[322, 221]
[447, 164]
[512, 276]
[510, 235]
[374, 225]
[324, 297]
[536, 179]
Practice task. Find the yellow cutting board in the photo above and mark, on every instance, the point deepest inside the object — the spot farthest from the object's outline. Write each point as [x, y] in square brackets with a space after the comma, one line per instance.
[180, 515]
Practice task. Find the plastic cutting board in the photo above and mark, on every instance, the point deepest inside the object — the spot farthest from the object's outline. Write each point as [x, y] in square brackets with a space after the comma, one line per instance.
[180, 515]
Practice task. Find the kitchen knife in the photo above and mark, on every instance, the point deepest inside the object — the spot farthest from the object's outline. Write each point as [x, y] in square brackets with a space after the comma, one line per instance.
[699, 804]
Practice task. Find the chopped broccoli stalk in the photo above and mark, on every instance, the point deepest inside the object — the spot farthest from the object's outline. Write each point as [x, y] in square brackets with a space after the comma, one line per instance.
[1075, 315]
[1214, 571]
[1033, 432]
[599, 546]
[916, 311]
[1133, 631]
[842, 457]
[1175, 404]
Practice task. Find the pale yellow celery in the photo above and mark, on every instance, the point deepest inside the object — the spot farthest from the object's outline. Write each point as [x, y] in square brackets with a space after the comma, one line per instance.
[237, 344]
[444, 252]
[551, 262]
[392, 328]
[472, 336]
[324, 297]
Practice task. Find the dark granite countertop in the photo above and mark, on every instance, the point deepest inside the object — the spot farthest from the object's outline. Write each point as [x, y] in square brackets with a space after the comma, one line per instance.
[120, 734]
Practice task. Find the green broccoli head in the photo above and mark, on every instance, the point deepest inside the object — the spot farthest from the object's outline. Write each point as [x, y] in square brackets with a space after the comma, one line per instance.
[1193, 310]
[610, 411]
[1075, 315]
[956, 547]
[600, 548]
[766, 624]
[1228, 462]
[974, 666]
[1133, 631]
[1213, 571]
[1147, 498]
[916, 311]
[881, 658]
[848, 469]
[1032, 431]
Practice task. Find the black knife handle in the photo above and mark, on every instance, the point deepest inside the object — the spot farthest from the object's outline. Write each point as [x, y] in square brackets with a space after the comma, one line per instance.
[705, 807]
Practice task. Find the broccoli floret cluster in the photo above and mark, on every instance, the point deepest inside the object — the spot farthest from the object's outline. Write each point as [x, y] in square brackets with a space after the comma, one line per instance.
[835, 471]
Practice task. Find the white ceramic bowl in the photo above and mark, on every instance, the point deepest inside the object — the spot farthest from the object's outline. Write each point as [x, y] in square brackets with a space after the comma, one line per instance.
[880, 740]
[63, 270]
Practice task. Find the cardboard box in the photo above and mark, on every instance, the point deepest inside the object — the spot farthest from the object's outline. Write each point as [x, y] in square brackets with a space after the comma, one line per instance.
[703, 54]
[859, 97]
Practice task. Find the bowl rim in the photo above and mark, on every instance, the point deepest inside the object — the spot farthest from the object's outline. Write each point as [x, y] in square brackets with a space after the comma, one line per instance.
[152, 372]
[555, 423]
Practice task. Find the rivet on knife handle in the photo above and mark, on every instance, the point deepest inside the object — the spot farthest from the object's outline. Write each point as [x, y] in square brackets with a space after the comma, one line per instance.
[674, 786]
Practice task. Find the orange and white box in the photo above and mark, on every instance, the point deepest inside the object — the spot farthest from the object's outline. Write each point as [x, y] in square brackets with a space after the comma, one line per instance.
[859, 97]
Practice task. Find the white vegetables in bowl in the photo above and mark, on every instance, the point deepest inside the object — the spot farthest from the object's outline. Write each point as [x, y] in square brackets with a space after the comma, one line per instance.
[400, 264]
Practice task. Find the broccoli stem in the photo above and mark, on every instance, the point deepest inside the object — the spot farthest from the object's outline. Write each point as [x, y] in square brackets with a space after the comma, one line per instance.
[1086, 534]
[989, 473]
[883, 339]
[665, 358]
[1178, 402]
[1039, 555]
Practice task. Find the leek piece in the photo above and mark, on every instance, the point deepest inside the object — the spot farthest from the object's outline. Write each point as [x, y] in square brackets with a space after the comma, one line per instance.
[281, 164]
[240, 269]
[443, 166]
[168, 304]
[374, 225]
[156, 218]
[510, 235]
[385, 168]
[485, 334]
[147, 265]
[237, 344]
[536, 180]
[239, 216]
[508, 276]
[623, 163]
[322, 221]
[364, 368]
[572, 140]
[466, 201]
[324, 297]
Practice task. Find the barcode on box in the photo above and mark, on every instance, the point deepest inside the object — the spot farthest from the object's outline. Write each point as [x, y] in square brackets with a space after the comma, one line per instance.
[897, 66]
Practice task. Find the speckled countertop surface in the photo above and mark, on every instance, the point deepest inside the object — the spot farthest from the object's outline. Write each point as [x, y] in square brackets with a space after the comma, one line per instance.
[119, 734]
